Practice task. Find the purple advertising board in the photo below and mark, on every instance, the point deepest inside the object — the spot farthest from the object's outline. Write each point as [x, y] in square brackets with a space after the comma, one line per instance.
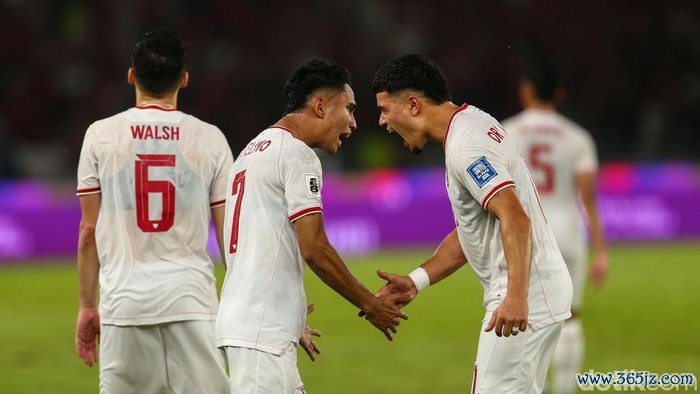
[391, 208]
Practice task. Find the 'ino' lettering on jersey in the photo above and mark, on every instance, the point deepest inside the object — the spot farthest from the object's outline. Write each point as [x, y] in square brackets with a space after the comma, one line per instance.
[256, 146]
[481, 171]
[153, 132]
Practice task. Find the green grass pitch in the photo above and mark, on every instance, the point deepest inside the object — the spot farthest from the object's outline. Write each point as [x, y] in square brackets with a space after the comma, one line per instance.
[644, 318]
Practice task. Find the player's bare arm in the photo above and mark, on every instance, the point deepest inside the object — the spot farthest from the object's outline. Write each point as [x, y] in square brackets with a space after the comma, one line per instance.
[327, 264]
[517, 245]
[217, 214]
[587, 187]
[87, 332]
[447, 259]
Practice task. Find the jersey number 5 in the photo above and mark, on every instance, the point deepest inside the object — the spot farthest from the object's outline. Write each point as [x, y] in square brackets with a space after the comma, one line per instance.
[539, 163]
[144, 188]
[238, 190]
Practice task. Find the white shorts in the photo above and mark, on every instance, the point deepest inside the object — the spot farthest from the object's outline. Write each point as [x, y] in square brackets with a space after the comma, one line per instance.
[515, 364]
[575, 258]
[178, 357]
[255, 371]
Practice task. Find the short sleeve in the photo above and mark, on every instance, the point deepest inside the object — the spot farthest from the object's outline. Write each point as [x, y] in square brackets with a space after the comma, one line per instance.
[219, 185]
[88, 165]
[301, 174]
[482, 171]
[586, 157]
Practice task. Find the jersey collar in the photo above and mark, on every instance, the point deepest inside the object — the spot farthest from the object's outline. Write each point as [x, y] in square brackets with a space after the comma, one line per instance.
[155, 106]
[276, 126]
[449, 125]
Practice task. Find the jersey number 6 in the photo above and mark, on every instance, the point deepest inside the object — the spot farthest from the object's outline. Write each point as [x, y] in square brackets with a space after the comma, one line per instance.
[145, 186]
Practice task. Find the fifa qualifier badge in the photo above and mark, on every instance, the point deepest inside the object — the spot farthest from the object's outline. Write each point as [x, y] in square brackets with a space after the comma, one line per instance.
[481, 171]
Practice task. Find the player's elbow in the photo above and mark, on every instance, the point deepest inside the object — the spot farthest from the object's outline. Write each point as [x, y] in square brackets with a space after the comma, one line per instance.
[309, 251]
[87, 230]
[525, 223]
[525, 220]
[517, 222]
[313, 252]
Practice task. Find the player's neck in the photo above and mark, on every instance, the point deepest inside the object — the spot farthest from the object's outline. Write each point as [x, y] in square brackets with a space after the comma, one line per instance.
[299, 127]
[438, 121]
[143, 99]
[542, 106]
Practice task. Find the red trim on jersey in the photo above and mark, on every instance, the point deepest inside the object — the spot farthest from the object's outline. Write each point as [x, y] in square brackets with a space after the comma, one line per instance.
[217, 203]
[276, 126]
[460, 109]
[495, 190]
[155, 106]
[474, 380]
[305, 212]
[87, 191]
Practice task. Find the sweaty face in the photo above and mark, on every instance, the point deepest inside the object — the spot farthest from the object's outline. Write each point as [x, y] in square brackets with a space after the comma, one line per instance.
[341, 116]
[395, 117]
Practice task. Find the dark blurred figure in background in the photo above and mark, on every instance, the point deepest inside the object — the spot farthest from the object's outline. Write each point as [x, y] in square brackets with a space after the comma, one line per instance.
[562, 159]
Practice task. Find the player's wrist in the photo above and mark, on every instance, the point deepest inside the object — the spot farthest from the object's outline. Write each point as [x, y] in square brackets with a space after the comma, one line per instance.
[369, 305]
[420, 278]
[87, 305]
[517, 296]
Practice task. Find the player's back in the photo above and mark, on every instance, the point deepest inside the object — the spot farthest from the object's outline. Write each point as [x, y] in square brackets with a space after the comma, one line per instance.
[158, 171]
[556, 151]
[275, 180]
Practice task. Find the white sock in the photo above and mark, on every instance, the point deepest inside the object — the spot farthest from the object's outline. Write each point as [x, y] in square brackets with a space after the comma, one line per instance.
[568, 357]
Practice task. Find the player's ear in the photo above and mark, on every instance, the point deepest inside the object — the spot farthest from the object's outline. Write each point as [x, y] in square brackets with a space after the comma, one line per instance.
[413, 104]
[131, 76]
[318, 106]
[184, 79]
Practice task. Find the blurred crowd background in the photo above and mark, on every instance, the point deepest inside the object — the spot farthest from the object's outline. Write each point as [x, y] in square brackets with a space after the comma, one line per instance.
[631, 68]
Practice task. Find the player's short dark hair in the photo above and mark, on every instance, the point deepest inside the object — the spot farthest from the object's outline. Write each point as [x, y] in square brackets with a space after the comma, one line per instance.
[310, 77]
[159, 59]
[543, 77]
[414, 72]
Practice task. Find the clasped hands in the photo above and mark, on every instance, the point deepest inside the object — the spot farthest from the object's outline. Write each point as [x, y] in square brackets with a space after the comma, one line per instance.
[386, 312]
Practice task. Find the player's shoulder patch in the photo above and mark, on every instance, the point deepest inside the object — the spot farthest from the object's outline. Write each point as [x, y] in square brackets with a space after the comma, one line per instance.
[481, 171]
[313, 185]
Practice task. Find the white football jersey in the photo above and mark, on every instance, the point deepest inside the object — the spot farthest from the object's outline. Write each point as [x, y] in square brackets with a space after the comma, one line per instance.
[159, 172]
[482, 160]
[275, 181]
[556, 150]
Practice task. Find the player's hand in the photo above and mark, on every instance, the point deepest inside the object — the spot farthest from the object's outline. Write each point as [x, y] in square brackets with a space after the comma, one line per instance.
[599, 268]
[306, 340]
[87, 335]
[385, 315]
[397, 284]
[399, 289]
[512, 313]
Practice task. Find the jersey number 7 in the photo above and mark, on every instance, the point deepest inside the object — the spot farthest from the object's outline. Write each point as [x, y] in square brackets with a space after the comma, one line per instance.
[238, 189]
[144, 188]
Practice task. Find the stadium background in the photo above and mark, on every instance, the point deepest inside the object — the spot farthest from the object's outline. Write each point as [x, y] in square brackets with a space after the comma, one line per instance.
[632, 73]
